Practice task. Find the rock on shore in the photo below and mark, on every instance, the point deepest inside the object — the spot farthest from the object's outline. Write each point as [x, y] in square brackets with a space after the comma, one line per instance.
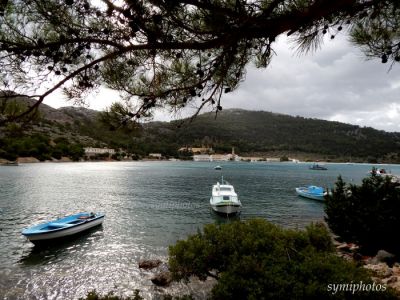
[149, 264]
[162, 279]
[383, 266]
[24, 160]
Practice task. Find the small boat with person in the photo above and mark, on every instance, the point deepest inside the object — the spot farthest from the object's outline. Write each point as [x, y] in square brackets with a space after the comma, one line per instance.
[312, 192]
[318, 167]
[217, 168]
[224, 199]
[11, 163]
[383, 173]
[62, 228]
[380, 172]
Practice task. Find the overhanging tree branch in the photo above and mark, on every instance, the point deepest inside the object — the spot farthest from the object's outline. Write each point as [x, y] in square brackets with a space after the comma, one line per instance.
[174, 52]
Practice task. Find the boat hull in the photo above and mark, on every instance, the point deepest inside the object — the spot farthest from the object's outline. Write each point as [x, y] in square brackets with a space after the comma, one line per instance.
[64, 232]
[226, 209]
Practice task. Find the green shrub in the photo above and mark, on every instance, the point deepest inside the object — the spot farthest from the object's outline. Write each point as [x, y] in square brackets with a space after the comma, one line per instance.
[56, 153]
[110, 296]
[366, 214]
[258, 260]
[6, 155]
[136, 296]
[284, 158]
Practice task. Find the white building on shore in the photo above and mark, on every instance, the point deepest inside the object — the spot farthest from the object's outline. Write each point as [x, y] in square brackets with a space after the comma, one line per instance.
[217, 157]
[202, 157]
[198, 150]
[89, 151]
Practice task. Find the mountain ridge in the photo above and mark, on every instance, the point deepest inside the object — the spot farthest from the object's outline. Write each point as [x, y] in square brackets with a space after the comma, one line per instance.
[250, 132]
[267, 131]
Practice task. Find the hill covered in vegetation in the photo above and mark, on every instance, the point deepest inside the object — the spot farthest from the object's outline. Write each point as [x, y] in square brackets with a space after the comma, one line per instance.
[253, 132]
[65, 131]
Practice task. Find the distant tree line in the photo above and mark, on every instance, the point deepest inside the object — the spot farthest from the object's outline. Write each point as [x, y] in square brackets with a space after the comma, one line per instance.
[40, 147]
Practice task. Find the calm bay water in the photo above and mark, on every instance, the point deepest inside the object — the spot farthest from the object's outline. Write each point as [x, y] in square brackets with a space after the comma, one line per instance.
[148, 206]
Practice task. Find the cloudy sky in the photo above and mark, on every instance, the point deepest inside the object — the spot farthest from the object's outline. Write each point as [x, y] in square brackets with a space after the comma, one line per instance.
[335, 83]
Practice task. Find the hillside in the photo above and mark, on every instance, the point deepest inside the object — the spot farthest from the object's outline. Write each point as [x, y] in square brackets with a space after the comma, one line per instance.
[260, 132]
[50, 133]
[250, 132]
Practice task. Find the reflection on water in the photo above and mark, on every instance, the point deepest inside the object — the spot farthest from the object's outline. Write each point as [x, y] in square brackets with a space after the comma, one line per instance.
[221, 219]
[53, 250]
[148, 206]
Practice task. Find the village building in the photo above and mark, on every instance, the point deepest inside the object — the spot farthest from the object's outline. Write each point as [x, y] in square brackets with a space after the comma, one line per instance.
[92, 151]
[202, 157]
[197, 150]
[217, 157]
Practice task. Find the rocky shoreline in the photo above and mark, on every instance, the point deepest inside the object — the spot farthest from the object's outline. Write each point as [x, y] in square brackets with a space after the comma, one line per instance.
[157, 272]
[384, 267]
[30, 160]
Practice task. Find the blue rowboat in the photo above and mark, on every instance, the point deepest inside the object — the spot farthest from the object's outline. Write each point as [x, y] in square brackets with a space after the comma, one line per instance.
[311, 192]
[62, 228]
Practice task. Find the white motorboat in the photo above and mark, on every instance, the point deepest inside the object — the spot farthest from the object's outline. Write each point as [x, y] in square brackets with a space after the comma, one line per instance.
[224, 199]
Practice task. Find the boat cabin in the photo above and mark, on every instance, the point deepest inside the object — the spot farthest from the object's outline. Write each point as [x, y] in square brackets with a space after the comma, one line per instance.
[224, 192]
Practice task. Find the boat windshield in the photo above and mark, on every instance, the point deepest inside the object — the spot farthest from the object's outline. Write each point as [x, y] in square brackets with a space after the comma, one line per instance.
[315, 189]
[225, 189]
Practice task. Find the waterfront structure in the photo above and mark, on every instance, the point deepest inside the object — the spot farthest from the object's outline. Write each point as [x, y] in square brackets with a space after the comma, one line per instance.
[202, 157]
[215, 157]
[273, 159]
[197, 150]
[220, 157]
[252, 158]
[91, 151]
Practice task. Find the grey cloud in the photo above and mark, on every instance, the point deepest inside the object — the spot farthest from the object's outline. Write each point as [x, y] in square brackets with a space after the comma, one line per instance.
[336, 82]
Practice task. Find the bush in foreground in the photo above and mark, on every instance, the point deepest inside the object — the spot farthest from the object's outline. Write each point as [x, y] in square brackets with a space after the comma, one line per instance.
[110, 296]
[366, 214]
[259, 260]
[93, 295]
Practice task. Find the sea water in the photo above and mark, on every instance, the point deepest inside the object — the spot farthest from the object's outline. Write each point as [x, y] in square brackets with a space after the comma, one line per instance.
[148, 206]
